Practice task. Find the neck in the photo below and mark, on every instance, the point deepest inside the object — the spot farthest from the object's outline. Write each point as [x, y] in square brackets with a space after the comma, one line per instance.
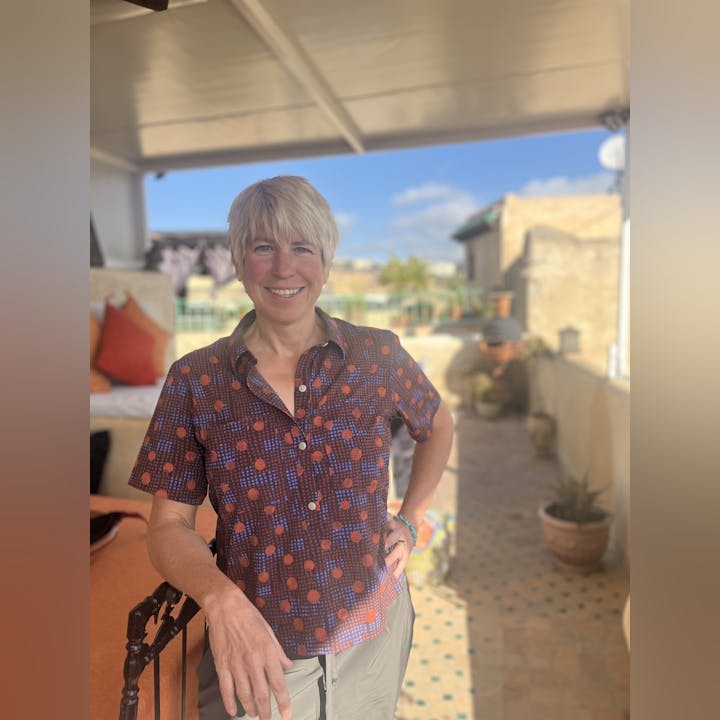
[284, 340]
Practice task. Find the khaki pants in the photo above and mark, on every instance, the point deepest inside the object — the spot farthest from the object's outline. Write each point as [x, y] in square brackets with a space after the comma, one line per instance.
[360, 683]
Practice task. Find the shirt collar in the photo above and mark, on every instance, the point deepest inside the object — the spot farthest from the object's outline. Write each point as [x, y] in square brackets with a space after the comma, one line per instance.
[332, 328]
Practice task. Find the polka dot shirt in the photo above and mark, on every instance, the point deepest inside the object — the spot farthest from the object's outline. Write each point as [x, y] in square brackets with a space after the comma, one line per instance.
[301, 500]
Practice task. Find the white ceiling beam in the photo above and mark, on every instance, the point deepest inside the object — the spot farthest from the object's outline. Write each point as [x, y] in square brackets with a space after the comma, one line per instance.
[297, 62]
[113, 160]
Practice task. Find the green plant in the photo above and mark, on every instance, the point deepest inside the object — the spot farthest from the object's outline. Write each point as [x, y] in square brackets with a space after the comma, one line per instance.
[575, 502]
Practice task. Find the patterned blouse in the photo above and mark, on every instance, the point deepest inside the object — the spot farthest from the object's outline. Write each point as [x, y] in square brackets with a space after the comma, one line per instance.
[301, 500]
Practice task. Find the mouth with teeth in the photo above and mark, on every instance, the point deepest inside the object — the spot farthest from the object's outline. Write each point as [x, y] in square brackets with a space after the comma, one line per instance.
[280, 292]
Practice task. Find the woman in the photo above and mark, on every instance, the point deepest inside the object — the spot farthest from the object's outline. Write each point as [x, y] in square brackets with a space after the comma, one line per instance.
[286, 424]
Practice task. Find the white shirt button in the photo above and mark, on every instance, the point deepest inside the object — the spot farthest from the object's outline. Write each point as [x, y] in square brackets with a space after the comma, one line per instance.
[312, 506]
[302, 445]
[302, 388]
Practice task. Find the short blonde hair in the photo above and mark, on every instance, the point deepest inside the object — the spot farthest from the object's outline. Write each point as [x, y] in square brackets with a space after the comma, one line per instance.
[281, 206]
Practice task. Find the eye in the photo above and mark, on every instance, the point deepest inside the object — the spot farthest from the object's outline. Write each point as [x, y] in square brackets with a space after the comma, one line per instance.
[262, 248]
[304, 250]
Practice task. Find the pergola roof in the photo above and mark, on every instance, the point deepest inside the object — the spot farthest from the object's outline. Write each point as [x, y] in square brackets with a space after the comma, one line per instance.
[212, 82]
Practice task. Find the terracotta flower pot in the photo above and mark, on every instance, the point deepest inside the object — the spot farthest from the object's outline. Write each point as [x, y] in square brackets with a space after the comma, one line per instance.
[576, 547]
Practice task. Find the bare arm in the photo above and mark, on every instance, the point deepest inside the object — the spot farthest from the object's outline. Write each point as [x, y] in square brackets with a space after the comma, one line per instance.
[248, 658]
[428, 464]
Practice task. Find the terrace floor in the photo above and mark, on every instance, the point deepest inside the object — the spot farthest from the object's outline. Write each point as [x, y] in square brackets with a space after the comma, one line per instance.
[508, 636]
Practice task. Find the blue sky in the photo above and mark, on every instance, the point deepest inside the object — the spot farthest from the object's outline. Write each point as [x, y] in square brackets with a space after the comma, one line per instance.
[403, 202]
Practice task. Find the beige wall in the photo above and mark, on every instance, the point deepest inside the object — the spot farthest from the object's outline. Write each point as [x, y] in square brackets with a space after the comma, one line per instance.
[593, 425]
[571, 282]
[584, 216]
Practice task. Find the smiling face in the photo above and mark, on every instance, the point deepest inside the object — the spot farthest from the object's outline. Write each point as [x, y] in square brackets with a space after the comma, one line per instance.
[283, 277]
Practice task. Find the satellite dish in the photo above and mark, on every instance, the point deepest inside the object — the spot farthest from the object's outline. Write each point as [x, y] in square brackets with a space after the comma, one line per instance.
[612, 153]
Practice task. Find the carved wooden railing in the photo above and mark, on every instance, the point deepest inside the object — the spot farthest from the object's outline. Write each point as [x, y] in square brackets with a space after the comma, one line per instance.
[166, 599]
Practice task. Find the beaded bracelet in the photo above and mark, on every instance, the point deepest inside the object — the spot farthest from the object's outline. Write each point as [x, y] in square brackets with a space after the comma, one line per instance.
[410, 527]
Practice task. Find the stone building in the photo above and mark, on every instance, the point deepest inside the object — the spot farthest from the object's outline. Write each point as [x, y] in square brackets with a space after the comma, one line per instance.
[559, 255]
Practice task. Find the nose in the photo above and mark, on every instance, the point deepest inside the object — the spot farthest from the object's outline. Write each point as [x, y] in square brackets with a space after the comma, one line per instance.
[283, 262]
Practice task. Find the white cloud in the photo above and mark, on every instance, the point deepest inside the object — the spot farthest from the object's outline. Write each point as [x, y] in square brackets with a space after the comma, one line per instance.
[425, 229]
[422, 193]
[345, 221]
[590, 185]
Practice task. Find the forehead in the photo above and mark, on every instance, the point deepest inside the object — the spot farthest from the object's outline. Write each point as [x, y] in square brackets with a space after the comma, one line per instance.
[280, 238]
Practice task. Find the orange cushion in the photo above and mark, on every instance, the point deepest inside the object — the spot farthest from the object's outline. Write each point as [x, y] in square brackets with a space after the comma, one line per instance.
[162, 337]
[98, 382]
[95, 332]
[126, 350]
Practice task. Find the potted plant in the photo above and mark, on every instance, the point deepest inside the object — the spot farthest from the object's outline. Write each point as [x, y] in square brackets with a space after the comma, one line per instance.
[576, 528]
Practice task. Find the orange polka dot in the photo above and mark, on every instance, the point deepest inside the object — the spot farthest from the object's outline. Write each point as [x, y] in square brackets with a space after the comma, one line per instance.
[258, 426]
[337, 573]
[381, 462]
[185, 369]
[230, 465]
[254, 541]
[300, 413]
[317, 382]
[279, 529]
[170, 380]
[152, 455]
[168, 467]
[285, 606]
[351, 368]
[357, 413]
[269, 509]
[288, 559]
[145, 478]
[370, 616]
[358, 586]
[376, 538]
[309, 565]
[325, 544]
[260, 602]
[260, 464]
[347, 434]
[161, 493]
[367, 560]
[336, 524]
[317, 421]
[235, 385]
[263, 577]
[373, 368]
[181, 432]
[345, 389]
[224, 487]
[343, 614]
[239, 527]
[317, 456]
[298, 624]
[320, 634]
[270, 550]
[356, 536]
[363, 515]
[313, 596]
[344, 504]
[213, 456]
[288, 438]
[244, 561]
[240, 584]
[328, 449]
[241, 445]
[385, 349]
[328, 424]
[229, 507]
[204, 379]
[299, 470]
[379, 442]
[382, 391]
[219, 405]
[253, 494]
[372, 487]
[347, 483]
[190, 484]
[292, 583]
[396, 397]
[355, 454]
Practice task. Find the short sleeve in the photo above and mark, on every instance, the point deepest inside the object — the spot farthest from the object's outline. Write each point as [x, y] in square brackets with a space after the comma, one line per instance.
[416, 398]
[171, 461]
